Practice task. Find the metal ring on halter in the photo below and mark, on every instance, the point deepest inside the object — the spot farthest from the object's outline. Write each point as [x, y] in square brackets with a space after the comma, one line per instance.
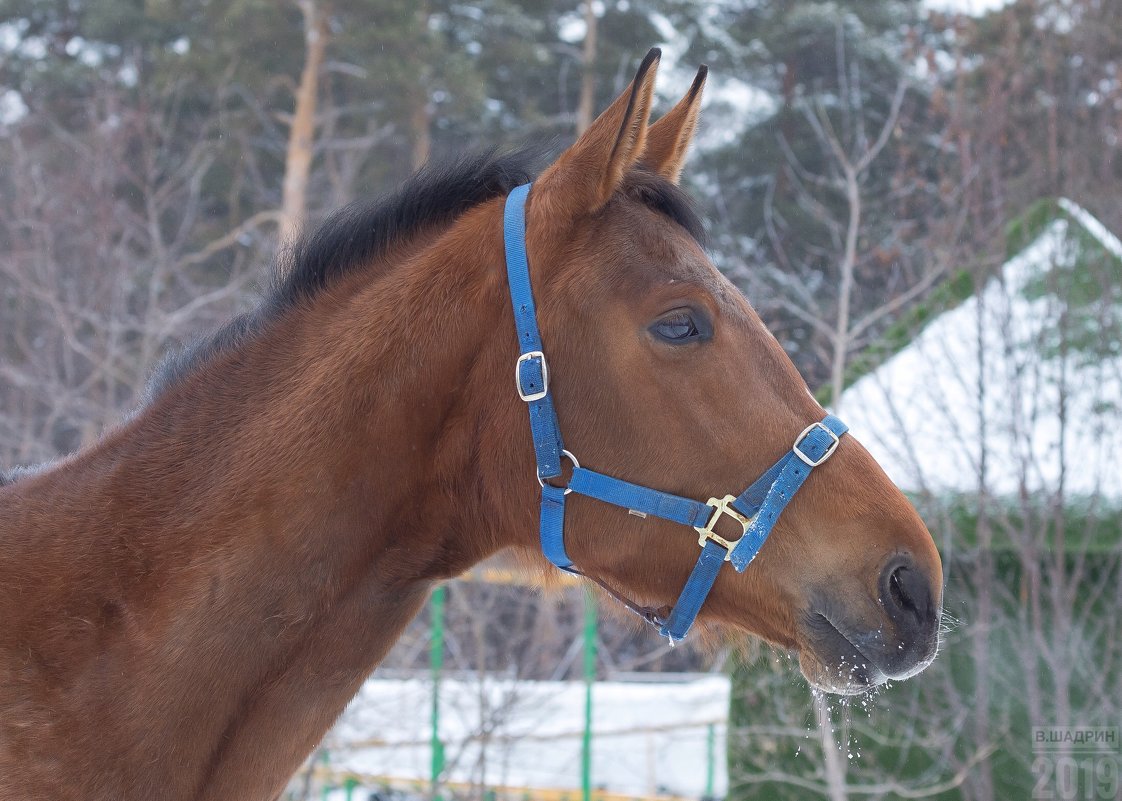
[572, 459]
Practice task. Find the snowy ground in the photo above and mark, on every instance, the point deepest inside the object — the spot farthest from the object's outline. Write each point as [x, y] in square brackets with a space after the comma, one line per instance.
[649, 738]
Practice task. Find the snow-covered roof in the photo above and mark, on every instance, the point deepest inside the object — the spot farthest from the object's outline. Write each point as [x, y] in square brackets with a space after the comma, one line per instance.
[1018, 387]
[973, 8]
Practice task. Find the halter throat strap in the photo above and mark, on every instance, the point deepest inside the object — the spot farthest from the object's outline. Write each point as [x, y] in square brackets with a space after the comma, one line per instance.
[756, 509]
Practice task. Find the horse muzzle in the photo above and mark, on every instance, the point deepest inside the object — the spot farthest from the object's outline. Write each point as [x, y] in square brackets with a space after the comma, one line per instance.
[896, 636]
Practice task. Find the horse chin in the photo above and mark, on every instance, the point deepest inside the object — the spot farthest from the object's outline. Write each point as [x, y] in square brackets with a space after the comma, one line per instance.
[831, 662]
[842, 677]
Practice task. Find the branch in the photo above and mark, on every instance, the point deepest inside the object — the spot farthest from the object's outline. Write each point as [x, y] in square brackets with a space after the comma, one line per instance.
[814, 322]
[887, 128]
[900, 300]
[803, 172]
[769, 225]
[173, 321]
[824, 129]
[231, 237]
[895, 788]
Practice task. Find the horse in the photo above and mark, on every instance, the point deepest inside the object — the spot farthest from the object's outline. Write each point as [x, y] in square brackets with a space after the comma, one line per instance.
[188, 604]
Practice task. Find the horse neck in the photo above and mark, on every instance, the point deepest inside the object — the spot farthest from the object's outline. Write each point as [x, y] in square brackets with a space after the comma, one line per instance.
[254, 541]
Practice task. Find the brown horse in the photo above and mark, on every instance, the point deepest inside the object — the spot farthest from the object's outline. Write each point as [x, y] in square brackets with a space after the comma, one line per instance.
[186, 606]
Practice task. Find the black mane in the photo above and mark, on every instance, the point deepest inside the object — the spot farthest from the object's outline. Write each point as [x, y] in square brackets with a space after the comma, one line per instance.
[359, 232]
[355, 235]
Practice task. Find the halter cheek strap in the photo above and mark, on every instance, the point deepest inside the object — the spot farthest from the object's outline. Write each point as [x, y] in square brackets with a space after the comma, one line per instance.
[755, 510]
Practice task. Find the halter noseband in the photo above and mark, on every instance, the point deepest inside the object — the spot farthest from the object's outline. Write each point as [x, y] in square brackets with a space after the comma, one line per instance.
[755, 510]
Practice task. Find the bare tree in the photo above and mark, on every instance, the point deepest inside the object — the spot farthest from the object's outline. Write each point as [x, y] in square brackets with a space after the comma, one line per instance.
[106, 266]
[850, 154]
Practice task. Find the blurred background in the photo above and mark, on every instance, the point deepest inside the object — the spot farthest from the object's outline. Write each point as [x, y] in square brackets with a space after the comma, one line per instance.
[920, 198]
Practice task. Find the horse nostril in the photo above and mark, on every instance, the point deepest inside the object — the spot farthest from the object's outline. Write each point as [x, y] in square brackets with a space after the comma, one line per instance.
[910, 601]
[905, 592]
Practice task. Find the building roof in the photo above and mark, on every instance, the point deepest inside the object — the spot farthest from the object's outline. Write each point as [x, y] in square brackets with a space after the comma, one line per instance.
[1017, 389]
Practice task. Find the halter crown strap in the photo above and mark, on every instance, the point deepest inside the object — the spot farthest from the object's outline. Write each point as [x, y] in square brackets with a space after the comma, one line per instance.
[531, 370]
[756, 509]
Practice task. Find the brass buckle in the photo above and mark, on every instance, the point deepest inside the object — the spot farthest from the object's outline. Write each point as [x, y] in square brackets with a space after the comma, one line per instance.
[721, 506]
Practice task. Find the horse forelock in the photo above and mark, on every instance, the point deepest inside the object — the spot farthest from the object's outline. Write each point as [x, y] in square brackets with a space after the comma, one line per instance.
[666, 198]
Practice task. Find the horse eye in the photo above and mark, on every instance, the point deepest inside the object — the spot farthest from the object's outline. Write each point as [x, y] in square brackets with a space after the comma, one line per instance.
[677, 328]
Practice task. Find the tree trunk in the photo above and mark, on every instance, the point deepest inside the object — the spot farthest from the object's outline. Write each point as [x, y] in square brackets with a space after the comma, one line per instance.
[420, 113]
[586, 106]
[980, 633]
[419, 119]
[301, 137]
[833, 765]
[845, 286]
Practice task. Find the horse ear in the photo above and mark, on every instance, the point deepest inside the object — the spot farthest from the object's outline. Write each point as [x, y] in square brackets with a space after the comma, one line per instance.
[668, 140]
[586, 175]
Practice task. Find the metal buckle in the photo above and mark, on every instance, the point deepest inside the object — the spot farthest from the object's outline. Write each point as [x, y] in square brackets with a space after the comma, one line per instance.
[829, 451]
[525, 357]
[572, 459]
[721, 507]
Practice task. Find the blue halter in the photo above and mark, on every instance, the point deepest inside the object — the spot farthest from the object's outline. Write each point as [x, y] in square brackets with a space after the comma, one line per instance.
[755, 510]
